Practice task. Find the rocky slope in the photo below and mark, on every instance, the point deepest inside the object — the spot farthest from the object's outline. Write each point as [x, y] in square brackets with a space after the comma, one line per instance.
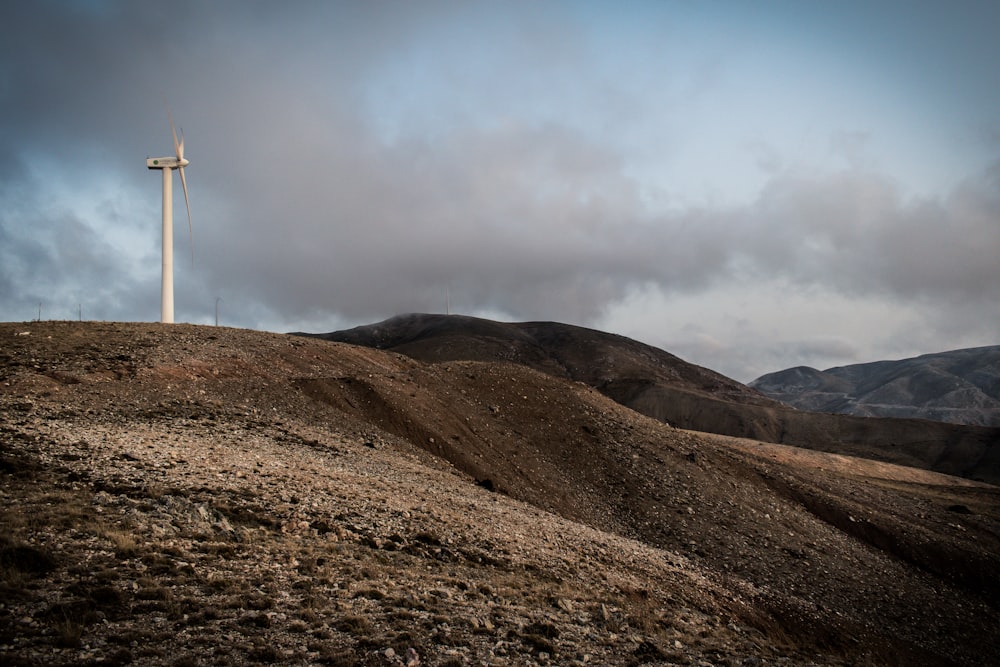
[660, 385]
[961, 386]
[182, 495]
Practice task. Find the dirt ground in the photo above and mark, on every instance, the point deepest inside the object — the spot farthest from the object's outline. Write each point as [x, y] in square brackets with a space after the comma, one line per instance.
[189, 495]
[658, 384]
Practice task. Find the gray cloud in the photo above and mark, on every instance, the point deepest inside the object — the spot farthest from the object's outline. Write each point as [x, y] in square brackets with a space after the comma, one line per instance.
[310, 206]
[537, 222]
[853, 231]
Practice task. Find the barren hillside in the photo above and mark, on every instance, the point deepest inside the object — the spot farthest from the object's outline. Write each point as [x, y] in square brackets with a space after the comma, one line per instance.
[660, 385]
[190, 495]
[597, 358]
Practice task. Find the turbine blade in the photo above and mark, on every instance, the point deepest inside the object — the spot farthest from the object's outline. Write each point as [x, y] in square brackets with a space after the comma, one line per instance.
[178, 147]
[188, 206]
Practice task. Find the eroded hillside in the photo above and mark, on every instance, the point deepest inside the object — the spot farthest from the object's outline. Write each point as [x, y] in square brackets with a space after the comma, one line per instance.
[660, 385]
[182, 495]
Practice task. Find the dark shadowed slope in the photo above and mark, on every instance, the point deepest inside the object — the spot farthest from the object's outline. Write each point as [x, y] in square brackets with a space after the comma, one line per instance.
[223, 495]
[961, 387]
[612, 363]
[660, 385]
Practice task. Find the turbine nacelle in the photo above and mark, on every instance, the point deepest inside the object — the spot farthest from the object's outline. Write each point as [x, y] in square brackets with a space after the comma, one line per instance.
[166, 163]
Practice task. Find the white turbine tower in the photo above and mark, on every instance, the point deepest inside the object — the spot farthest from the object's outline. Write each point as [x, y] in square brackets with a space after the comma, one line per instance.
[167, 165]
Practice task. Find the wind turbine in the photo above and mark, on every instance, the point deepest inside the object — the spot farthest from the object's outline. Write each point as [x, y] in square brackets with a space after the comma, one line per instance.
[167, 165]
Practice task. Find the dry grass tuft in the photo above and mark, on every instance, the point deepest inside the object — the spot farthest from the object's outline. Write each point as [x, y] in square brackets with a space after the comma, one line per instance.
[68, 634]
[124, 541]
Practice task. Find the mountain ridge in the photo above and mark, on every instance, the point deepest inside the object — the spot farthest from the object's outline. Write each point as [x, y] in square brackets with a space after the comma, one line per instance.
[956, 386]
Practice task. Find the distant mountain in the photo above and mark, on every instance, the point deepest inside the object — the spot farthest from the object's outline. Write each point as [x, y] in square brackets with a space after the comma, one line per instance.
[662, 386]
[960, 387]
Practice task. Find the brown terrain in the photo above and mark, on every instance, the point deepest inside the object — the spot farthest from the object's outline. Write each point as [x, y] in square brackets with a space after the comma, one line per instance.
[662, 386]
[183, 495]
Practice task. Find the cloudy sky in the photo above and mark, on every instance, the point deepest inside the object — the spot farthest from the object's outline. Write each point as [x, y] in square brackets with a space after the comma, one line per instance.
[749, 185]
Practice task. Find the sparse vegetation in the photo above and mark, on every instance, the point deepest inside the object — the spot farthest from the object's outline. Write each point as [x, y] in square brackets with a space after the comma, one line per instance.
[68, 633]
[145, 522]
[123, 541]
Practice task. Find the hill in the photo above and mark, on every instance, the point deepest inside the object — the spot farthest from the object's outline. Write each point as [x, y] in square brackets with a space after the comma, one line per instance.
[606, 361]
[660, 385]
[194, 495]
[961, 387]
